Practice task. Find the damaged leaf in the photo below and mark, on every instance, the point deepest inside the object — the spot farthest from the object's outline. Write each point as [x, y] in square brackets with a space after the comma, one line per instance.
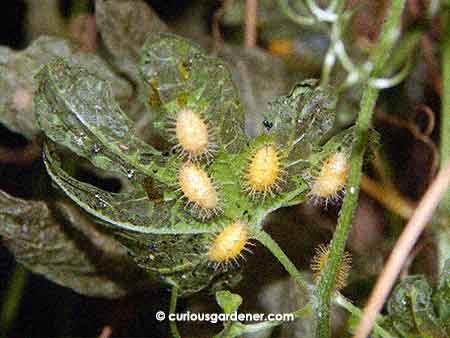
[164, 234]
[411, 310]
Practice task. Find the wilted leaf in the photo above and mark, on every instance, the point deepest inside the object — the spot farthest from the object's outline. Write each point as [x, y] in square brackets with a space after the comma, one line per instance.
[284, 295]
[124, 26]
[230, 303]
[17, 83]
[65, 247]
[303, 48]
[44, 18]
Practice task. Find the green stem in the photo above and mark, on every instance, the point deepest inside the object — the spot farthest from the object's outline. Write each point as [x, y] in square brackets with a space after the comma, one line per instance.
[331, 56]
[299, 19]
[445, 109]
[265, 239]
[252, 328]
[172, 309]
[441, 229]
[12, 299]
[323, 293]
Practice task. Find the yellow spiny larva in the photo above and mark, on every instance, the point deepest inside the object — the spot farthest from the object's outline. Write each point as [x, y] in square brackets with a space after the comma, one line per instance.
[229, 244]
[199, 189]
[318, 263]
[331, 179]
[264, 172]
[193, 135]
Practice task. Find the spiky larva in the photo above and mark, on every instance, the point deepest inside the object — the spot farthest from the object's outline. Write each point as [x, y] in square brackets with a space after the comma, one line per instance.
[192, 134]
[264, 171]
[229, 244]
[198, 188]
[319, 260]
[331, 178]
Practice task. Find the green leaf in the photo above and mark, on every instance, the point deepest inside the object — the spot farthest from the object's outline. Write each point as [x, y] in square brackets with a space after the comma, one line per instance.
[65, 247]
[129, 211]
[302, 120]
[163, 234]
[184, 77]
[76, 108]
[441, 297]
[162, 238]
[229, 302]
[411, 310]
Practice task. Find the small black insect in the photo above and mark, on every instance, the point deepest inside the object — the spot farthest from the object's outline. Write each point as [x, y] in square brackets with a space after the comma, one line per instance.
[267, 124]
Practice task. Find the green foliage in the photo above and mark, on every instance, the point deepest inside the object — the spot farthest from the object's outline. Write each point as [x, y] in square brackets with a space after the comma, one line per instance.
[228, 301]
[418, 310]
[76, 110]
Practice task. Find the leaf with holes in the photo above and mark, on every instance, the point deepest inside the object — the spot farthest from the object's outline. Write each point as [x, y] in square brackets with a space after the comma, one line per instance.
[174, 218]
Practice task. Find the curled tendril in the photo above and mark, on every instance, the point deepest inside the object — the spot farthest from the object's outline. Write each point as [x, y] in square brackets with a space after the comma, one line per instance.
[335, 16]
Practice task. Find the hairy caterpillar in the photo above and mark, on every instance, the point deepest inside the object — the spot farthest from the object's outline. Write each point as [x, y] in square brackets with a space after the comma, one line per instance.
[319, 260]
[193, 136]
[198, 189]
[331, 179]
[229, 243]
[264, 172]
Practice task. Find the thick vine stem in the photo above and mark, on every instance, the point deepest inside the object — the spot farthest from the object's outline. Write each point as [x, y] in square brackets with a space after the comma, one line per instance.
[323, 293]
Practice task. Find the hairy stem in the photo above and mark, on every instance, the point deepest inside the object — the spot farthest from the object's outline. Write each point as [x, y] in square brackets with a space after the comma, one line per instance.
[323, 293]
[264, 238]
